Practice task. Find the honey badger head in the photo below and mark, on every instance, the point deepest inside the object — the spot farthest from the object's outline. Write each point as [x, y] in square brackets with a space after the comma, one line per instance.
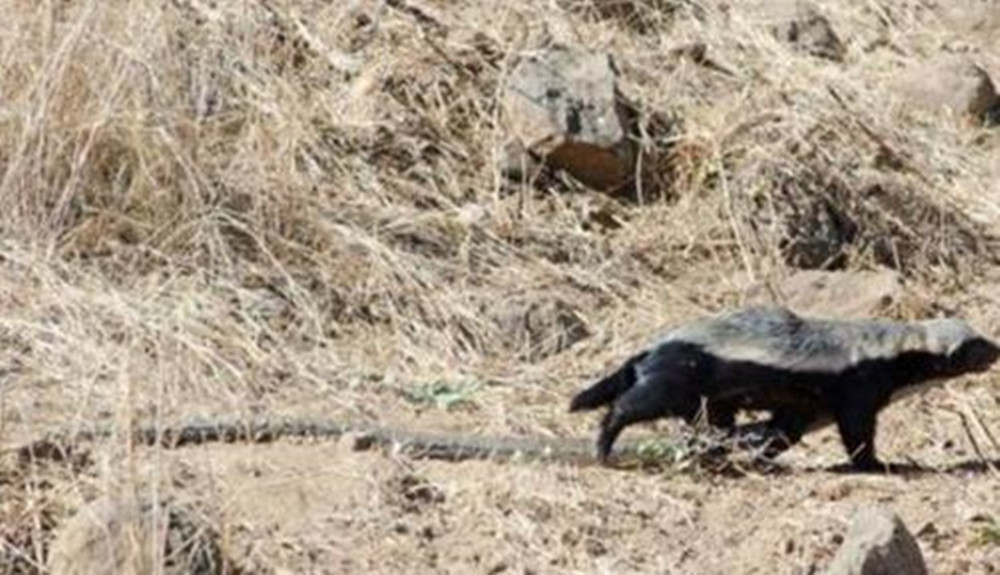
[960, 348]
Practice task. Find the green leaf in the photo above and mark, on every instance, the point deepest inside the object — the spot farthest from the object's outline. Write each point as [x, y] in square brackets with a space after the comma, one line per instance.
[443, 395]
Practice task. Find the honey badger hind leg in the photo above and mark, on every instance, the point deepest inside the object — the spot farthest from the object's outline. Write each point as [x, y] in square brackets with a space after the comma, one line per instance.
[854, 405]
[646, 402]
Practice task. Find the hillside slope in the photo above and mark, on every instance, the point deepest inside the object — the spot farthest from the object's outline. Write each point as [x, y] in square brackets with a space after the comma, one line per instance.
[268, 207]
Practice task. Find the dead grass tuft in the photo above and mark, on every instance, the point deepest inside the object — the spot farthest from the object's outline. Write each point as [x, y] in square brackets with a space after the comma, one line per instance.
[295, 207]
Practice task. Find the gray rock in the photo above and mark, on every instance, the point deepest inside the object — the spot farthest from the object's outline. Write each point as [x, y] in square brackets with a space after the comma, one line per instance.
[951, 82]
[855, 294]
[878, 543]
[562, 106]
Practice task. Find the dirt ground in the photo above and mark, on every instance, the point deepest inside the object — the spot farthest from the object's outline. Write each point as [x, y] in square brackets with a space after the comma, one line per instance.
[251, 208]
[319, 506]
[364, 512]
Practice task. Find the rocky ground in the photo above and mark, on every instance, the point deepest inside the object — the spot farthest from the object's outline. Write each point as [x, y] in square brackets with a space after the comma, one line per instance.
[355, 211]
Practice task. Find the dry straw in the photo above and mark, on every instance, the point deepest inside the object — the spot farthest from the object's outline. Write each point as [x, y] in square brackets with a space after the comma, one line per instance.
[245, 206]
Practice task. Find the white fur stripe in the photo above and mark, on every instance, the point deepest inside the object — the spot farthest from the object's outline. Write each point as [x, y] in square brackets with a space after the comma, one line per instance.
[776, 337]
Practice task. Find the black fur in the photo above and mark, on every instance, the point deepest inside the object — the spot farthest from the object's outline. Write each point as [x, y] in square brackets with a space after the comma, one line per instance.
[807, 373]
[608, 389]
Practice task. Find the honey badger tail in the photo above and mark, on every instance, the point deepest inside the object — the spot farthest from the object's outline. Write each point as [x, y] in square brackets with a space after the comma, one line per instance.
[608, 389]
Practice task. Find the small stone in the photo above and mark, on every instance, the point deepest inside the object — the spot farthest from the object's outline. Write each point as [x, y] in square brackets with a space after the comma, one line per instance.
[537, 326]
[471, 215]
[974, 515]
[878, 543]
[951, 82]
[115, 535]
[801, 24]
[595, 548]
[929, 529]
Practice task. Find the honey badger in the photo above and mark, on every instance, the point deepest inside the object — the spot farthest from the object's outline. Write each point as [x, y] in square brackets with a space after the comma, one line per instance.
[807, 372]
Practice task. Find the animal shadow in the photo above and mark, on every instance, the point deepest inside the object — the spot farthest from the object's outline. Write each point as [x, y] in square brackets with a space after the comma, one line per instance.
[916, 470]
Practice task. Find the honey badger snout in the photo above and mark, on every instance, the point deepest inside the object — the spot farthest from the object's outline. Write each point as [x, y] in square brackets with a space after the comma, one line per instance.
[977, 355]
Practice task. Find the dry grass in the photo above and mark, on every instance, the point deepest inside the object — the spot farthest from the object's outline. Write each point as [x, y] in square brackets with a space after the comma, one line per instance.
[245, 206]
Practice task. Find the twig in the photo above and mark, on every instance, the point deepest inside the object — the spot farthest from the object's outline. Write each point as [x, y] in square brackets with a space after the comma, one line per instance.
[975, 444]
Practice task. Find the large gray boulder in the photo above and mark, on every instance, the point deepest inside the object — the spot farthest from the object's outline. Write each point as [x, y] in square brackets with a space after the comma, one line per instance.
[562, 107]
[843, 294]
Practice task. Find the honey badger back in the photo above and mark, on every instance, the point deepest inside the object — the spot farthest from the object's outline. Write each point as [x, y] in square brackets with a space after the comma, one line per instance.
[808, 373]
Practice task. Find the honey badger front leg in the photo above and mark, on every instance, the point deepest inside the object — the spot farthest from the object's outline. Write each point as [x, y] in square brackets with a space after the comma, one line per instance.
[855, 410]
[853, 406]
